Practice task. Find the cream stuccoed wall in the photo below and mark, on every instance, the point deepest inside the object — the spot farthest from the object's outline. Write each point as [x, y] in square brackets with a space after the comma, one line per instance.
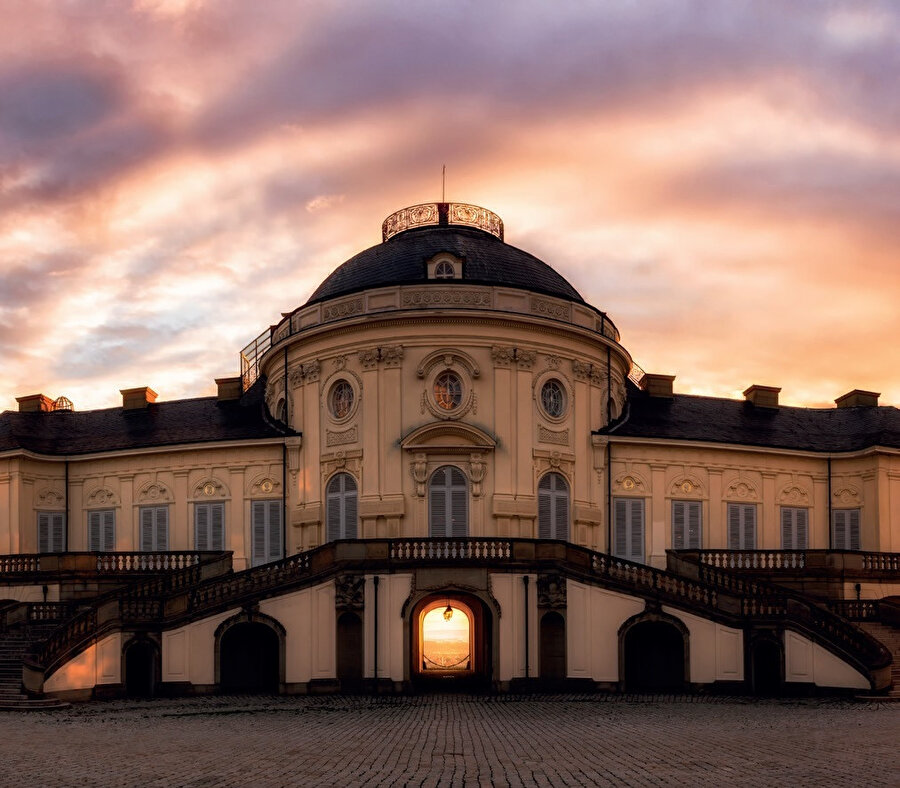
[393, 591]
[178, 478]
[660, 472]
[716, 651]
[188, 653]
[505, 445]
[593, 618]
[808, 663]
[99, 663]
[509, 591]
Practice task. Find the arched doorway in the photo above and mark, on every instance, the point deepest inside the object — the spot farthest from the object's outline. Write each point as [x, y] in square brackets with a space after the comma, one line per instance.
[350, 652]
[140, 669]
[766, 666]
[249, 658]
[552, 655]
[450, 649]
[654, 657]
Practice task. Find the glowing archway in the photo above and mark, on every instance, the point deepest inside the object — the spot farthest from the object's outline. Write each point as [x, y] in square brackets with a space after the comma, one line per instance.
[446, 638]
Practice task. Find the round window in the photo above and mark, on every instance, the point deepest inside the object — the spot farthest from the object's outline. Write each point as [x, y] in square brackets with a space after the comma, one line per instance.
[553, 399]
[340, 400]
[448, 390]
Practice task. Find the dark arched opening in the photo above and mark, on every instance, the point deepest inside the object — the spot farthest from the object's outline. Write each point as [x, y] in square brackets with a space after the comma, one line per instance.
[249, 658]
[766, 672]
[552, 656]
[350, 652]
[654, 658]
[140, 669]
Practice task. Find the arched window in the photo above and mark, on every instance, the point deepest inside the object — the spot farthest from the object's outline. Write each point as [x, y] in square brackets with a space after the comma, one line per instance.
[448, 499]
[553, 507]
[444, 270]
[340, 504]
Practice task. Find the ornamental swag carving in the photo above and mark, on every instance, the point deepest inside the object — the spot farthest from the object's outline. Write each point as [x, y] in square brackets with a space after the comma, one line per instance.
[551, 591]
[349, 592]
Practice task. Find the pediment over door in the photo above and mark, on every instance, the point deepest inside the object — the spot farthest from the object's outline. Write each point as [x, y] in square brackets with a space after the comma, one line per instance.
[449, 437]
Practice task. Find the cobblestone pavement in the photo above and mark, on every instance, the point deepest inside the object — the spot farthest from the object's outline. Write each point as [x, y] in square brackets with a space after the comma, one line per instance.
[454, 740]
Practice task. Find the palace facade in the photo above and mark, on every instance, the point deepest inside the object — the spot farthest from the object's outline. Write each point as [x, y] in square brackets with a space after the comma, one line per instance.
[444, 469]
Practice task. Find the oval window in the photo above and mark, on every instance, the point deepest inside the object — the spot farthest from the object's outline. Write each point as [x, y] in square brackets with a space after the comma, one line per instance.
[340, 400]
[553, 399]
[448, 390]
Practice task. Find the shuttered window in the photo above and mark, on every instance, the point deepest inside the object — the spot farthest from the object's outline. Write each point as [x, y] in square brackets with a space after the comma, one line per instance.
[265, 517]
[51, 532]
[794, 528]
[154, 528]
[628, 529]
[741, 526]
[686, 525]
[102, 530]
[845, 529]
[340, 507]
[553, 507]
[448, 503]
[209, 526]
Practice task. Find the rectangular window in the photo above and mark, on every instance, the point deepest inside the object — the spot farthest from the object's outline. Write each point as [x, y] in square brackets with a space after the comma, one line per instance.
[154, 528]
[265, 517]
[794, 528]
[102, 531]
[209, 526]
[51, 532]
[686, 525]
[628, 529]
[741, 526]
[845, 529]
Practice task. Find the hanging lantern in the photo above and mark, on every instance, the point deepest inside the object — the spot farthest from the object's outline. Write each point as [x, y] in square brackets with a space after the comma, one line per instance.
[448, 613]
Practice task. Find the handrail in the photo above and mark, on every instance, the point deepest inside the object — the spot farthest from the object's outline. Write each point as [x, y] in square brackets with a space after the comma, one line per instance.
[856, 561]
[105, 563]
[718, 593]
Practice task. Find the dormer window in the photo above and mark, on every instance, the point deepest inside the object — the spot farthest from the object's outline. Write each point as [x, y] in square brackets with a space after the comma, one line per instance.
[445, 266]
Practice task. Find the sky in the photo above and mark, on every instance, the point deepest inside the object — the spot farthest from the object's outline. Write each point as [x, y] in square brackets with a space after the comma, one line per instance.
[722, 177]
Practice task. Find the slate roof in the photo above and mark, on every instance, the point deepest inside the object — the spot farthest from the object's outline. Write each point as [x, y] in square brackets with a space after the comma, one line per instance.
[401, 260]
[691, 418]
[171, 423]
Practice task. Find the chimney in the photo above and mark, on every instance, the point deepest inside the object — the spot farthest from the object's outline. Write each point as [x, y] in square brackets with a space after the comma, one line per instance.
[35, 403]
[658, 385]
[762, 396]
[141, 397]
[229, 388]
[858, 399]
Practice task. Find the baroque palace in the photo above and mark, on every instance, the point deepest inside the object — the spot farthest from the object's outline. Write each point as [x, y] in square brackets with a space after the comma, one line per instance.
[444, 470]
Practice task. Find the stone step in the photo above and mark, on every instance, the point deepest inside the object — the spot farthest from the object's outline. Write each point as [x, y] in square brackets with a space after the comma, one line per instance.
[34, 704]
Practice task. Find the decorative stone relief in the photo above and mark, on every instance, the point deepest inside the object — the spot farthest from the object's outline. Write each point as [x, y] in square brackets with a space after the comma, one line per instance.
[341, 437]
[742, 490]
[154, 492]
[342, 460]
[448, 358]
[553, 362]
[342, 309]
[50, 498]
[551, 591]
[526, 358]
[368, 358]
[631, 483]
[307, 372]
[503, 356]
[476, 473]
[392, 355]
[581, 370]
[340, 362]
[686, 486]
[846, 495]
[264, 485]
[541, 306]
[454, 297]
[210, 488]
[419, 470]
[794, 494]
[349, 592]
[546, 435]
[101, 496]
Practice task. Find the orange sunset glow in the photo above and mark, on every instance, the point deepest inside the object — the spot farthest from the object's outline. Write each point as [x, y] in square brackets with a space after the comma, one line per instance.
[722, 178]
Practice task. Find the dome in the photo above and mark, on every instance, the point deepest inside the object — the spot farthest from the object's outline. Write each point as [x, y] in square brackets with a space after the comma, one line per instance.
[415, 235]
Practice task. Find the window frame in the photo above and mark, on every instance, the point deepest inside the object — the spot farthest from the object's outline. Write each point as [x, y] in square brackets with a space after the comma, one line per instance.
[272, 539]
[452, 492]
[156, 515]
[797, 524]
[741, 510]
[210, 508]
[56, 531]
[682, 510]
[341, 508]
[552, 498]
[629, 507]
[850, 524]
[104, 520]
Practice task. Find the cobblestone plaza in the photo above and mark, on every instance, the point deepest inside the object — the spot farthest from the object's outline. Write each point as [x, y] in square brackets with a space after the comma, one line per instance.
[455, 740]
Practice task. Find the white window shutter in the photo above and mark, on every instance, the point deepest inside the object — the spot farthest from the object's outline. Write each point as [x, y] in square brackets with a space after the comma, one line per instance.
[694, 510]
[351, 514]
[545, 508]
[636, 527]
[58, 527]
[333, 502]
[43, 532]
[437, 506]
[201, 526]
[787, 528]
[679, 516]
[853, 529]
[749, 527]
[839, 527]
[734, 526]
[561, 518]
[258, 519]
[274, 514]
[802, 529]
[94, 527]
[108, 543]
[147, 518]
[621, 528]
[217, 526]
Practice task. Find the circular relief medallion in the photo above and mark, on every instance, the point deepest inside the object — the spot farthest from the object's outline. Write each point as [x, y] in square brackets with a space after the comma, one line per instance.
[687, 487]
[341, 399]
[628, 484]
[448, 390]
[209, 489]
[266, 486]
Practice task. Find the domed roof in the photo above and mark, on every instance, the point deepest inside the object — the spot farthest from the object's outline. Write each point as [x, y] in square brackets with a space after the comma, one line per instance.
[446, 228]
